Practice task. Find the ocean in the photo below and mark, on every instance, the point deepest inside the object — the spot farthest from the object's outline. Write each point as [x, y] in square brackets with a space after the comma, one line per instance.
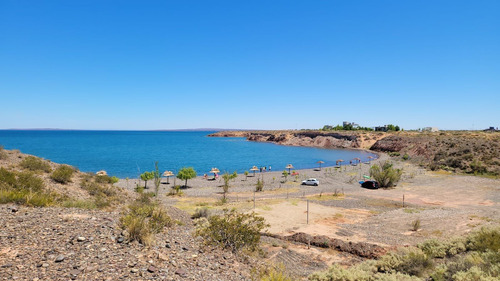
[130, 153]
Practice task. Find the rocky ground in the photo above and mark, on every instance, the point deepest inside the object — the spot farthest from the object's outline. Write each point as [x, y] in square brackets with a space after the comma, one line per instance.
[75, 244]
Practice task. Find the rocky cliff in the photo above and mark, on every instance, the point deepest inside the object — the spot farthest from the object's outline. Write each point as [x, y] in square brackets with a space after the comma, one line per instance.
[321, 139]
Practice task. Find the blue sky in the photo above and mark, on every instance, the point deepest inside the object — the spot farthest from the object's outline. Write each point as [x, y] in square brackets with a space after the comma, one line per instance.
[249, 64]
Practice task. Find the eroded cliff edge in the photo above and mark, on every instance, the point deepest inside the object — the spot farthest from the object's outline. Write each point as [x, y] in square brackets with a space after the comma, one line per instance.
[360, 140]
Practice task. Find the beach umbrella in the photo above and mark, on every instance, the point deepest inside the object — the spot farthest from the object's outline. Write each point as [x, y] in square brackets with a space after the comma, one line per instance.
[289, 166]
[339, 161]
[168, 174]
[101, 173]
[254, 169]
[370, 158]
[357, 160]
[214, 171]
[320, 162]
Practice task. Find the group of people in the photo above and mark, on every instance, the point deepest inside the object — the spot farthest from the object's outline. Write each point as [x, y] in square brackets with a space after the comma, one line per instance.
[263, 169]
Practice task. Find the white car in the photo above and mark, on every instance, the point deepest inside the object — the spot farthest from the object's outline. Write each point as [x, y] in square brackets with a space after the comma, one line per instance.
[311, 181]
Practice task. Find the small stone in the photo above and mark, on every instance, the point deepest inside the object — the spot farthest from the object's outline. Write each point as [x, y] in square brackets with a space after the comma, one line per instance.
[60, 258]
[14, 209]
[152, 269]
[80, 239]
[6, 265]
[103, 249]
[168, 245]
[45, 265]
[134, 270]
[181, 272]
[185, 249]
[120, 239]
[74, 273]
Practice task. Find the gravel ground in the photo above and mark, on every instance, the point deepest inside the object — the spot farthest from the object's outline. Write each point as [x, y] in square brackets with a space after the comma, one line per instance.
[74, 244]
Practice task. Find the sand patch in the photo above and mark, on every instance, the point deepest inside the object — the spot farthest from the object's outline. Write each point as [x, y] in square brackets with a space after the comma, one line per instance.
[290, 217]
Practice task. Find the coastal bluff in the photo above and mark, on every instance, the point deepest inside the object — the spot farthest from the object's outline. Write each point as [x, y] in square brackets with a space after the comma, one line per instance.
[321, 139]
[472, 152]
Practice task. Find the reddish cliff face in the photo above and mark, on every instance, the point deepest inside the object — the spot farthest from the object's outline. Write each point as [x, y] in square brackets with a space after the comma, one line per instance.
[309, 138]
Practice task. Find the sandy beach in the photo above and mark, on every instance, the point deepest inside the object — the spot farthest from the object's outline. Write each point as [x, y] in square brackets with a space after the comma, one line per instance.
[447, 204]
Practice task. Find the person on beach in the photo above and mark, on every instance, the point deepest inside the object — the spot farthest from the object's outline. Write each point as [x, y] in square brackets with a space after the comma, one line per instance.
[269, 168]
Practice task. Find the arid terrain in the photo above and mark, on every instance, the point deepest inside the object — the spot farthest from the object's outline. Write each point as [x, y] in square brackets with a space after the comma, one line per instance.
[77, 234]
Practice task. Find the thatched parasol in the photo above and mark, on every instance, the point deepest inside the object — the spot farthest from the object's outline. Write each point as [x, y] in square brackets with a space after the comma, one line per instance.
[320, 162]
[168, 174]
[339, 161]
[254, 169]
[214, 171]
[357, 160]
[101, 173]
[289, 166]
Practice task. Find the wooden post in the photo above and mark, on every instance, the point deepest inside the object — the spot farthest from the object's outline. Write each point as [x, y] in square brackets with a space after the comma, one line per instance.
[403, 200]
[254, 199]
[307, 211]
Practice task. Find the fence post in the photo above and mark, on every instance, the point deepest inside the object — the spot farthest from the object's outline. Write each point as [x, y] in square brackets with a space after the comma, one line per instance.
[403, 200]
[307, 211]
[254, 199]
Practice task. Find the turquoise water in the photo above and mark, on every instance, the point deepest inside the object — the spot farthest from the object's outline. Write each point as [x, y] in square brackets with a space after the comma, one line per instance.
[129, 153]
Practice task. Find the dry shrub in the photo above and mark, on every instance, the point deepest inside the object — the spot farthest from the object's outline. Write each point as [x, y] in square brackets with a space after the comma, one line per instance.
[62, 174]
[233, 230]
[24, 188]
[143, 220]
[35, 164]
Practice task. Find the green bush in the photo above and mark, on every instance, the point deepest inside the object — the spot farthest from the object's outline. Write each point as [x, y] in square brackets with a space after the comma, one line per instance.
[433, 248]
[95, 189]
[271, 273]
[200, 213]
[233, 231]
[144, 219]
[484, 239]
[24, 188]
[106, 179]
[62, 174]
[385, 174]
[259, 186]
[3, 153]
[33, 163]
[412, 261]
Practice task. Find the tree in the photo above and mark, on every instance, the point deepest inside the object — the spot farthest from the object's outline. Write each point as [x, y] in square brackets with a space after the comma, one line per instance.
[385, 174]
[285, 174]
[157, 177]
[259, 186]
[186, 174]
[227, 177]
[246, 175]
[147, 176]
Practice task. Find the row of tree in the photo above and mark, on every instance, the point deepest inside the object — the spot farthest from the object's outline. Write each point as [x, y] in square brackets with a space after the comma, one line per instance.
[185, 173]
[350, 127]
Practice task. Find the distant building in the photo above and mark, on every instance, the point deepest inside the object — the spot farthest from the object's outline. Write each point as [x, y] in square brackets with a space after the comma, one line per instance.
[430, 129]
[353, 124]
[381, 128]
[491, 129]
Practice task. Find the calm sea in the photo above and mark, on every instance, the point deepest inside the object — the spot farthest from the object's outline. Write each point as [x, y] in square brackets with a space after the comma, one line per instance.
[129, 153]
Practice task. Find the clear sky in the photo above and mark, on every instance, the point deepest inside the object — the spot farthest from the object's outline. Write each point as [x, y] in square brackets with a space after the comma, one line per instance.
[249, 64]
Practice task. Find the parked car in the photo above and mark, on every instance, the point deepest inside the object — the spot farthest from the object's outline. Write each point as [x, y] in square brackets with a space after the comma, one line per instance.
[310, 181]
[370, 184]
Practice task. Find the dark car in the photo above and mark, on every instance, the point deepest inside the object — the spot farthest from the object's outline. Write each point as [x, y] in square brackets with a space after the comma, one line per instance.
[370, 184]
